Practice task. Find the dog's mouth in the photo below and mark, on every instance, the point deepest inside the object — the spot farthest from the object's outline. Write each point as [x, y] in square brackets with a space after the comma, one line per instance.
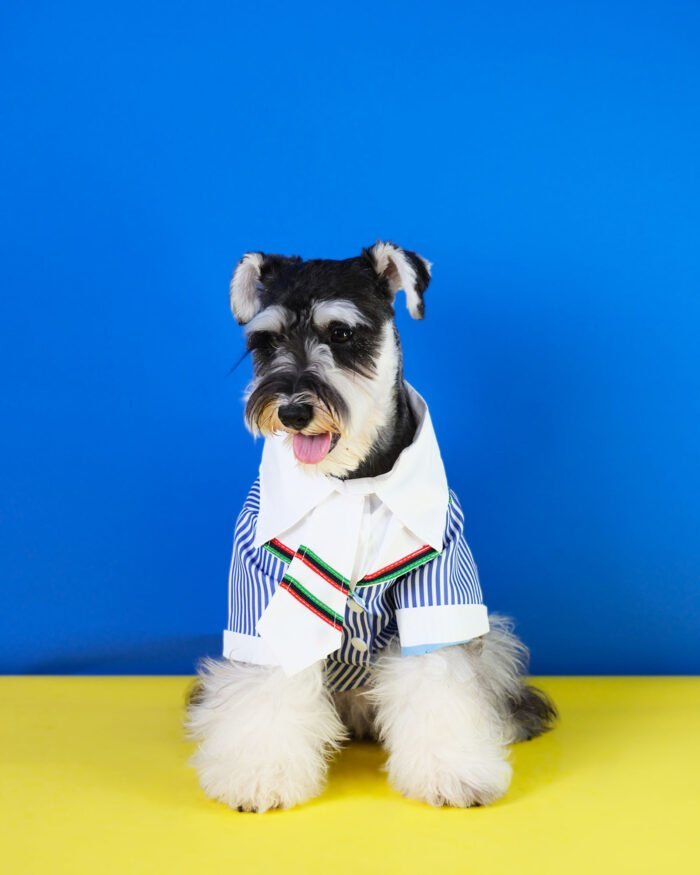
[310, 449]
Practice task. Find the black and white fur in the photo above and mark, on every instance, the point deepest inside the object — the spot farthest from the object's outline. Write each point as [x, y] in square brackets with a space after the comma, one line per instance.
[327, 358]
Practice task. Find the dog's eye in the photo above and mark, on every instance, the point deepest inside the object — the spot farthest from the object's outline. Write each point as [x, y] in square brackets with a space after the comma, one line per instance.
[340, 334]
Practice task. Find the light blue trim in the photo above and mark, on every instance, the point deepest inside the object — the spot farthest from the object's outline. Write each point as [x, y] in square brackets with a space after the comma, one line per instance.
[420, 649]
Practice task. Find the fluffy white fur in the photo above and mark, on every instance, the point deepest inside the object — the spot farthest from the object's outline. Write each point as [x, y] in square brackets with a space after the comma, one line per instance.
[445, 738]
[325, 312]
[444, 718]
[264, 738]
[500, 662]
[274, 318]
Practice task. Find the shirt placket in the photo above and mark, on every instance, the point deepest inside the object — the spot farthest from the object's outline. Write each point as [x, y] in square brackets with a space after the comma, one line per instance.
[359, 569]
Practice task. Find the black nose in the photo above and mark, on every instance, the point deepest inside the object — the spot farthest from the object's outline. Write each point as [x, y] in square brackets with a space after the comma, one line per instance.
[295, 415]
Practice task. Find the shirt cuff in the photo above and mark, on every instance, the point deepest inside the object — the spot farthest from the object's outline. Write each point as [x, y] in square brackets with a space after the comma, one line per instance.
[248, 648]
[429, 628]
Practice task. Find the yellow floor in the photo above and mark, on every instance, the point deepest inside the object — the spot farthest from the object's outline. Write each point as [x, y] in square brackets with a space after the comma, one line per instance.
[93, 779]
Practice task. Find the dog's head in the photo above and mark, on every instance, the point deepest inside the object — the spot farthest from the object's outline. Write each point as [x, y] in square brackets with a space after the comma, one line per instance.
[326, 354]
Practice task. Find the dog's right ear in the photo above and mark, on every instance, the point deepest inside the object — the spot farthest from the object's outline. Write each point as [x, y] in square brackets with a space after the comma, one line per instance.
[245, 287]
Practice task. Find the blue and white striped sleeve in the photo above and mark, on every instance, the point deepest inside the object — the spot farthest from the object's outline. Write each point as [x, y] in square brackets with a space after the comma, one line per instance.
[252, 581]
[440, 603]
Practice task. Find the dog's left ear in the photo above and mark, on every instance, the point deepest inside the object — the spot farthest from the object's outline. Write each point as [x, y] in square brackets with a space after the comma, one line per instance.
[402, 269]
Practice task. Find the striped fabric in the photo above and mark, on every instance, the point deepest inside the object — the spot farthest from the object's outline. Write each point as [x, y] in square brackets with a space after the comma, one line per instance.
[423, 597]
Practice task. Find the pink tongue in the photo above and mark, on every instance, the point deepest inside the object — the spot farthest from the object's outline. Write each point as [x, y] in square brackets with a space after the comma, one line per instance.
[311, 448]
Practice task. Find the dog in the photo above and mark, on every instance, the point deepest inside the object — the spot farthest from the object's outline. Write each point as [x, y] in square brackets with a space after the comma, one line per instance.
[355, 607]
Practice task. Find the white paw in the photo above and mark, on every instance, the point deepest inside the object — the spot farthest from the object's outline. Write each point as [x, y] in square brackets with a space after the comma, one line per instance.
[440, 783]
[246, 783]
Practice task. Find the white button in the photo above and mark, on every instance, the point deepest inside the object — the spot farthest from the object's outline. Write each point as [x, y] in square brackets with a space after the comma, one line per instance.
[352, 604]
[359, 644]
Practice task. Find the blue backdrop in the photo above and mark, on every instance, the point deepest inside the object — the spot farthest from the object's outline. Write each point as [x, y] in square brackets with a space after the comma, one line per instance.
[544, 156]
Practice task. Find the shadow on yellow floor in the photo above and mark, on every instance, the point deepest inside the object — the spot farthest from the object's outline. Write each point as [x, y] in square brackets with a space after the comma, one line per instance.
[93, 779]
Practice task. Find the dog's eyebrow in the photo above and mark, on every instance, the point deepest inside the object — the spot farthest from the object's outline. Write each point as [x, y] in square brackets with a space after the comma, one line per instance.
[274, 318]
[338, 310]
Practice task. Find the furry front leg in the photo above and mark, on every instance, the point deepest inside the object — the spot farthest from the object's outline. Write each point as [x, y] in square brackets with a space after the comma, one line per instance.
[264, 738]
[446, 741]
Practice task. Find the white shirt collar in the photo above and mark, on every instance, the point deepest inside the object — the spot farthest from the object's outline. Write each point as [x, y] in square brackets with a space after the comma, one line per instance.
[415, 490]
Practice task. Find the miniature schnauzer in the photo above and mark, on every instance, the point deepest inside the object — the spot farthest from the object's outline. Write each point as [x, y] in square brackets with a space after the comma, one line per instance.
[445, 701]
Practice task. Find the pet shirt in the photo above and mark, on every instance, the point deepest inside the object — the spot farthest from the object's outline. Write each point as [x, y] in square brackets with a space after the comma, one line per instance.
[330, 569]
